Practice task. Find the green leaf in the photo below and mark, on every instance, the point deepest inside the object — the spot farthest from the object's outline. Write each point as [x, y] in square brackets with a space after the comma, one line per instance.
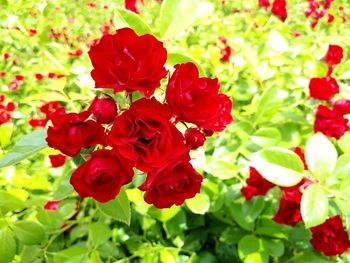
[199, 204]
[119, 208]
[164, 214]
[257, 257]
[320, 155]
[344, 143]
[7, 245]
[176, 16]
[268, 105]
[6, 133]
[95, 257]
[29, 254]
[248, 245]
[28, 232]
[135, 22]
[275, 247]
[314, 206]
[342, 167]
[9, 203]
[279, 166]
[51, 219]
[179, 58]
[99, 233]
[266, 137]
[28, 145]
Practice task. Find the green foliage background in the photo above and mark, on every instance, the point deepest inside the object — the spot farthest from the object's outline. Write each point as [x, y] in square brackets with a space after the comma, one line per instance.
[267, 80]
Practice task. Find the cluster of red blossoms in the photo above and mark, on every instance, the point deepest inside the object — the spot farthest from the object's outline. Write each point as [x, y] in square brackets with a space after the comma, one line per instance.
[226, 50]
[329, 238]
[5, 110]
[278, 7]
[318, 9]
[145, 135]
[330, 121]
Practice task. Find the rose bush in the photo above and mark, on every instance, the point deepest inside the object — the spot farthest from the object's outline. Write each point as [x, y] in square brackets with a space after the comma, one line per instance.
[176, 132]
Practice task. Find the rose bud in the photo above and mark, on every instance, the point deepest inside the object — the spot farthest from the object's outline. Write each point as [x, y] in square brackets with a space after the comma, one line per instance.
[334, 55]
[57, 160]
[194, 138]
[102, 176]
[342, 106]
[104, 110]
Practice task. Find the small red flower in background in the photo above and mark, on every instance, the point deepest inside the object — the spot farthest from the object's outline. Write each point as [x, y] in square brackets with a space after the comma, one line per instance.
[172, 184]
[32, 32]
[264, 3]
[225, 51]
[334, 55]
[256, 185]
[197, 100]
[39, 76]
[102, 176]
[132, 5]
[19, 78]
[323, 88]
[76, 53]
[5, 110]
[330, 238]
[279, 8]
[6, 56]
[194, 138]
[73, 131]
[52, 205]
[330, 122]
[128, 62]
[48, 109]
[57, 160]
[2, 74]
[104, 109]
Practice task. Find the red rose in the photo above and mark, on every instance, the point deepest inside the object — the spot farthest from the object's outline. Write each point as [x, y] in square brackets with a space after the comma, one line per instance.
[256, 185]
[104, 109]
[126, 61]
[102, 176]
[196, 100]
[145, 135]
[172, 184]
[226, 54]
[334, 55]
[57, 160]
[330, 238]
[39, 76]
[289, 208]
[279, 8]
[330, 122]
[131, 5]
[342, 106]
[4, 117]
[194, 138]
[10, 106]
[323, 88]
[301, 154]
[71, 132]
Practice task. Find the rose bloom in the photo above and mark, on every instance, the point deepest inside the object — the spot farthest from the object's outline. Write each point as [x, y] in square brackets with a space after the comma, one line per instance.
[342, 106]
[57, 160]
[256, 185]
[104, 109]
[330, 238]
[145, 135]
[128, 62]
[196, 100]
[73, 131]
[289, 208]
[264, 3]
[194, 138]
[102, 176]
[172, 184]
[334, 55]
[323, 88]
[330, 122]
[279, 8]
[132, 5]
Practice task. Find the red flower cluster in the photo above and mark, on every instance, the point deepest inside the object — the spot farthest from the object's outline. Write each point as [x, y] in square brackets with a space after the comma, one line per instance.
[5, 110]
[329, 238]
[318, 9]
[226, 50]
[278, 8]
[144, 135]
[48, 109]
[331, 122]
